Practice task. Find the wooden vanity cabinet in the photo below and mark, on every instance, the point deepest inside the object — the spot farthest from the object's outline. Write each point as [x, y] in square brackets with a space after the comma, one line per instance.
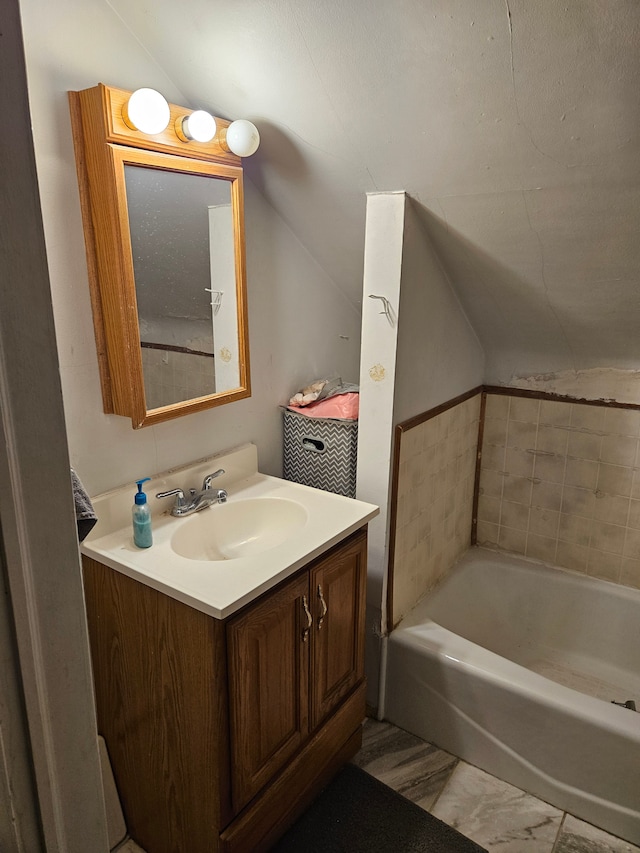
[221, 733]
[293, 657]
[338, 592]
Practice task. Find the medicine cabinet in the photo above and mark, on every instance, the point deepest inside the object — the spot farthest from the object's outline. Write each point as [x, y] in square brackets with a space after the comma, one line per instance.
[164, 233]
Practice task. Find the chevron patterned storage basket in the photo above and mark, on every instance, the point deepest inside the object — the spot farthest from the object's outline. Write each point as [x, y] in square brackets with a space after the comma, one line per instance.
[321, 452]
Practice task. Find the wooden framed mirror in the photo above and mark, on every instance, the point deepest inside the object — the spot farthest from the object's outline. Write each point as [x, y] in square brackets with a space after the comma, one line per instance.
[164, 231]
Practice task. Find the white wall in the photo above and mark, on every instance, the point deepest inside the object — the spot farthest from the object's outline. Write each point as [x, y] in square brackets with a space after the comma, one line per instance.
[422, 354]
[300, 326]
[51, 791]
[426, 355]
[382, 277]
[439, 355]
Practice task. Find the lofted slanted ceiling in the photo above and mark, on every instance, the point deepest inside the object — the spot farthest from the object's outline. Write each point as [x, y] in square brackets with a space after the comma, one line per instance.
[513, 124]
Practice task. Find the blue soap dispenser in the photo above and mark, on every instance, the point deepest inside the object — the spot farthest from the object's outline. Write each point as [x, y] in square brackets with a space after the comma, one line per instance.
[142, 536]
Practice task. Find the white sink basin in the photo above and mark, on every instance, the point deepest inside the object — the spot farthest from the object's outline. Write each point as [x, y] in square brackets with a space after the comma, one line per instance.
[230, 531]
[226, 555]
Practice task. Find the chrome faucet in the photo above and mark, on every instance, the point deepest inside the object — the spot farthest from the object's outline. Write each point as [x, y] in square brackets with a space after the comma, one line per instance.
[197, 500]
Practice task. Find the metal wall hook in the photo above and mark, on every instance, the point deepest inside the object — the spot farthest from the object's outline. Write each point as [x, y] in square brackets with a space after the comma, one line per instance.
[386, 306]
[216, 301]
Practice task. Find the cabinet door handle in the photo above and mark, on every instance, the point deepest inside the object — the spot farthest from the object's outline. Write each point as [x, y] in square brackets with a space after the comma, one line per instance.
[307, 613]
[323, 604]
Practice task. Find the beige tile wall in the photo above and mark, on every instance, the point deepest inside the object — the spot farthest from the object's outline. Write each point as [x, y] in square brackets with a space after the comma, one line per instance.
[170, 376]
[435, 501]
[560, 482]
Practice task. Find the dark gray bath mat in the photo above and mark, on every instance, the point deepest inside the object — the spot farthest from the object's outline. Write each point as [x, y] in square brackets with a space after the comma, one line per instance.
[356, 813]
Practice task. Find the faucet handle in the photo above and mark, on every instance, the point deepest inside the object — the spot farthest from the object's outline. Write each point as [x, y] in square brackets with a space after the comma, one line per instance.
[206, 483]
[180, 501]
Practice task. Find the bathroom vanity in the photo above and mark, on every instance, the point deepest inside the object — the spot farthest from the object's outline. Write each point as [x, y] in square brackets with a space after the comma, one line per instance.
[223, 719]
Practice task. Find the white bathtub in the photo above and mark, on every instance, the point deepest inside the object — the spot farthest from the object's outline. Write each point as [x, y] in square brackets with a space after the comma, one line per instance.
[512, 665]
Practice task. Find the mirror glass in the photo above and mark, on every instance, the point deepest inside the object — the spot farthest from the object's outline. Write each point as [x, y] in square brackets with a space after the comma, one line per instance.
[182, 242]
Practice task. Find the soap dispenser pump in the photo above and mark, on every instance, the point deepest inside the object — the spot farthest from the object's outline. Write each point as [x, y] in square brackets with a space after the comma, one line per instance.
[142, 536]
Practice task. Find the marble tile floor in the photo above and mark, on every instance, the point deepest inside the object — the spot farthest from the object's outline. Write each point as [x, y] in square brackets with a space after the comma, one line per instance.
[499, 817]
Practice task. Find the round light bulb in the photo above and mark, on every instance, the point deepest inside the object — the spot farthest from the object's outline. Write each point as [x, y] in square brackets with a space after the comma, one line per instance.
[147, 111]
[200, 126]
[243, 138]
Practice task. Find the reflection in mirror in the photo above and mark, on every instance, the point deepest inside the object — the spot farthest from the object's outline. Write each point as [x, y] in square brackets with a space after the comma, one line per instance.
[182, 241]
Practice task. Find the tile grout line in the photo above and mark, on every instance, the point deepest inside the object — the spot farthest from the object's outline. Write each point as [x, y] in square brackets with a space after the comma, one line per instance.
[591, 526]
[557, 530]
[562, 485]
[535, 444]
[554, 847]
[503, 467]
[446, 784]
[627, 525]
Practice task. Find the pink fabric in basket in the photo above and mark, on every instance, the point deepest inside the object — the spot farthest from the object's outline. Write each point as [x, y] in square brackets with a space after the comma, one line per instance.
[341, 406]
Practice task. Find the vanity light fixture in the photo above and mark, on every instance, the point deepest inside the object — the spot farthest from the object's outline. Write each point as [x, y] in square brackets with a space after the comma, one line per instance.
[199, 126]
[241, 138]
[147, 111]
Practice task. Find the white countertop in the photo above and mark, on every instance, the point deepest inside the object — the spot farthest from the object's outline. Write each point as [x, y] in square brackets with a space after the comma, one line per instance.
[219, 588]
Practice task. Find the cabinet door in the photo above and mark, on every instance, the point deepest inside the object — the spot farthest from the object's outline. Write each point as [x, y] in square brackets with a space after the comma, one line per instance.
[338, 589]
[268, 663]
